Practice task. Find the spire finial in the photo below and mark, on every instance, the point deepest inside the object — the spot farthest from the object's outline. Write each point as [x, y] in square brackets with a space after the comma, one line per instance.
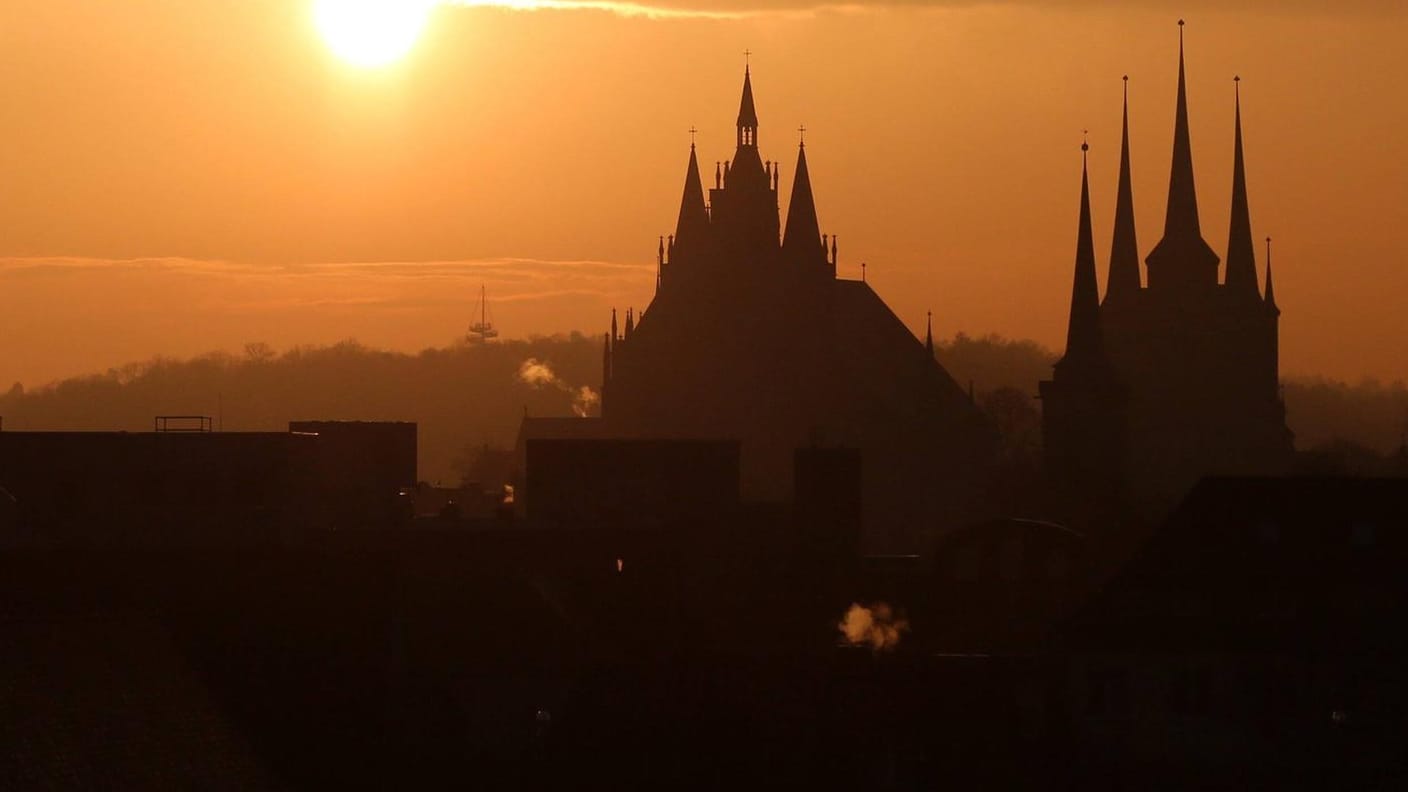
[748, 58]
[802, 135]
[692, 130]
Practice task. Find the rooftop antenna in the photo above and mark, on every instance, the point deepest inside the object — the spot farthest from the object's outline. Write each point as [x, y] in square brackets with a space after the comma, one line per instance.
[483, 330]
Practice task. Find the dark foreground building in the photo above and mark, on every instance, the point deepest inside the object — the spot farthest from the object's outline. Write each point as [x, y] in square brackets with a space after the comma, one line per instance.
[181, 488]
[1166, 382]
[752, 337]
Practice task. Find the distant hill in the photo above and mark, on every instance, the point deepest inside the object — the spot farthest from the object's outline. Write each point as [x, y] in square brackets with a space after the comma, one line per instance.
[467, 396]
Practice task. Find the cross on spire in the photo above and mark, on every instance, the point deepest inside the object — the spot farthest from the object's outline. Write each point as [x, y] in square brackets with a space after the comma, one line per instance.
[692, 130]
[748, 58]
[802, 134]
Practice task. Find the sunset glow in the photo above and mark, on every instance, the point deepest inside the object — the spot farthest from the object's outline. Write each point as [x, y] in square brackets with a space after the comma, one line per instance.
[371, 33]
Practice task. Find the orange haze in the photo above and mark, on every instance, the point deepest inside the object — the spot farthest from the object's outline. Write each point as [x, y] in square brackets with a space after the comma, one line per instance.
[178, 176]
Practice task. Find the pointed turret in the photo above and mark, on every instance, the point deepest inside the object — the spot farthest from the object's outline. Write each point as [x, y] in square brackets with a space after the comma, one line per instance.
[799, 240]
[1270, 287]
[1124, 277]
[929, 335]
[747, 171]
[630, 321]
[1182, 259]
[614, 335]
[747, 115]
[693, 225]
[1241, 255]
[1083, 338]
[606, 360]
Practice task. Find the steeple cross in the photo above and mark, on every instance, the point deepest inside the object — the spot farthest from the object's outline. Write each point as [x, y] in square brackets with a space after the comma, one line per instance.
[802, 132]
[692, 130]
[747, 57]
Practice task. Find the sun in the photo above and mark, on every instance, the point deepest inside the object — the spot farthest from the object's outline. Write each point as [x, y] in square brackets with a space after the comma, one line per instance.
[371, 33]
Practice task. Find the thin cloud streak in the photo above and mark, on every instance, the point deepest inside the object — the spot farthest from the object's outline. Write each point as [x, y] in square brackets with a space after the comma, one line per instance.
[626, 9]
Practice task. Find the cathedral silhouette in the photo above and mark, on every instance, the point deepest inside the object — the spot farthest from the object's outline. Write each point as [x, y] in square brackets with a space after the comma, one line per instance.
[752, 336]
[1164, 383]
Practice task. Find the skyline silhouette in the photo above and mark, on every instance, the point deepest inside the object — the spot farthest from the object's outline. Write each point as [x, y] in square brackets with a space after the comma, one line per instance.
[772, 520]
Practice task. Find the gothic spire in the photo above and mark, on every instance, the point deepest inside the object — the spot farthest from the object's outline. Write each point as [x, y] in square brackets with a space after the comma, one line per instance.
[1241, 256]
[693, 224]
[1083, 338]
[1182, 259]
[929, 335]
[1182, 214]
[799, 239]
[1124, 250]
[747, 115]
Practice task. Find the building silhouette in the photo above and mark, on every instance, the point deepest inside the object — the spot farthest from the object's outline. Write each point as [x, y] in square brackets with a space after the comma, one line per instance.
[752, 336]
[1165, 381]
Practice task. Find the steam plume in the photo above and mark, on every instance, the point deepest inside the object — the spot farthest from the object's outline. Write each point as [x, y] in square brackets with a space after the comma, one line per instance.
[877, 627]
[538, 374]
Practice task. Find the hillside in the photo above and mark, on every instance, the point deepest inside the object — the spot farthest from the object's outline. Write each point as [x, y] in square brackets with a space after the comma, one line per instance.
[465, 397]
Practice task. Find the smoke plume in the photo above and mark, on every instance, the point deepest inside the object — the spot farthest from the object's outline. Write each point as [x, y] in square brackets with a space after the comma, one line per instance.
[538, 374]
[877, 627]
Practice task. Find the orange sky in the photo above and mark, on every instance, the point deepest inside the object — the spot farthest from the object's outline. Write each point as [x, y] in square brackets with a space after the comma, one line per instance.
[178, 176]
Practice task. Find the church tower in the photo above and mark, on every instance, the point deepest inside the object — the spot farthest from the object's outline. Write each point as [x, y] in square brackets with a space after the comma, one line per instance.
[1195, 357]
[744, 199]
[1083, 403]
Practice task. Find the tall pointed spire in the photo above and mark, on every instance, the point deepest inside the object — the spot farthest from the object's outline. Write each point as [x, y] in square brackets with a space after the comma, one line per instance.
[929, 335]
[800, 237]
[1182, 212]
[1270, 287]
[1124, 250]
[747, 114]
[1083, 337]
[1182, 259]
[1241, 255]
[693, 224]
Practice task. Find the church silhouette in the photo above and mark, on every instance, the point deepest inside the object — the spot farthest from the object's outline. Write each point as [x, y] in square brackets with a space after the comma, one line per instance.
[752, 336]
[1164, 383]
